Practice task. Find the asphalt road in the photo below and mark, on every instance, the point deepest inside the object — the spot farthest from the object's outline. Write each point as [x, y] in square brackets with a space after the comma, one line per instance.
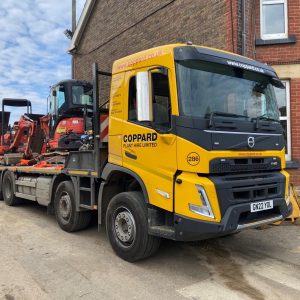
[40, 261]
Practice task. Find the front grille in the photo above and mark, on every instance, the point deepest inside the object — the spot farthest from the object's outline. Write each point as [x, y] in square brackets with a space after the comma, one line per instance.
[255, 192]
[235, 189]
[229, 165]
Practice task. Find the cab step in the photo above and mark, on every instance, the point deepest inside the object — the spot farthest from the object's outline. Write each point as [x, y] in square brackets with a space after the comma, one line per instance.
[162, 231]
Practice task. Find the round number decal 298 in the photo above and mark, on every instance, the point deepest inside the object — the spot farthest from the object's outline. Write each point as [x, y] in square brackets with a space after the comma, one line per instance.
[193, 159]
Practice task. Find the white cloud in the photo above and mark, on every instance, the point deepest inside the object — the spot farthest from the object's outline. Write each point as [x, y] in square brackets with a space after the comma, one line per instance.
[33, 48]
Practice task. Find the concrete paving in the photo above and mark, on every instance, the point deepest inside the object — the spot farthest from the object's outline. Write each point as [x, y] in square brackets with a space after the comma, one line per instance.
[40, 261]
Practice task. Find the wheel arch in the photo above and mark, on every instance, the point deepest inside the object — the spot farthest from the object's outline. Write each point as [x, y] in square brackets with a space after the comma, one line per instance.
[57, 179]
[117, 179]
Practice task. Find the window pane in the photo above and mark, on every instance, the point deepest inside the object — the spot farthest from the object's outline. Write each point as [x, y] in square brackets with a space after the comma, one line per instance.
[206, 87]
[273, 19]
[82, 95]
[161, 100]
[132, 113]
[281, 100]
[266, 1]
[284, 125]
[60, 96]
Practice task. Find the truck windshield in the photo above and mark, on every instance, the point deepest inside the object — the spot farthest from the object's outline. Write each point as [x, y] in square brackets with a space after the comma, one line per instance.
[205, 88]
[82, 95]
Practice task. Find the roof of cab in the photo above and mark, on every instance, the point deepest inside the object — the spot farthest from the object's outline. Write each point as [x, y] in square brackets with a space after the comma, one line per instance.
[138, 59]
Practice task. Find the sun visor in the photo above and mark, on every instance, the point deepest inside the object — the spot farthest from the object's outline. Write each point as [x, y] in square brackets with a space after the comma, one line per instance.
[225, 58]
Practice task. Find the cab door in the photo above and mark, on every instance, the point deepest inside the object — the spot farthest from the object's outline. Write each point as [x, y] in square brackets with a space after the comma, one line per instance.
[149, 147]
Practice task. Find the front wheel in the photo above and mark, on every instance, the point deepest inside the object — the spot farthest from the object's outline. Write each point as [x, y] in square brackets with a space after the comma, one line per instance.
[127, 227]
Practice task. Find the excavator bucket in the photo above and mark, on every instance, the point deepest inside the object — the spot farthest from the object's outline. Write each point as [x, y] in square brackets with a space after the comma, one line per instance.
[296, 205]
[295, 215]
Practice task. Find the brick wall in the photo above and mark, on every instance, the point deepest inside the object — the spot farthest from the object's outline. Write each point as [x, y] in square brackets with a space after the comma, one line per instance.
[231, 25]
[119, 28]
[281, 53]
[295, 127]
[287, 54]
[234, 27]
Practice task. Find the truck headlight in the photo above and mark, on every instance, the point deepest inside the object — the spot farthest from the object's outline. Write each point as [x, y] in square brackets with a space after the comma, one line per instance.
[205, 208]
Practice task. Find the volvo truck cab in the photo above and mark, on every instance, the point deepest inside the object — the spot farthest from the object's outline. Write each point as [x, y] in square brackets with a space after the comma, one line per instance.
[200, 127]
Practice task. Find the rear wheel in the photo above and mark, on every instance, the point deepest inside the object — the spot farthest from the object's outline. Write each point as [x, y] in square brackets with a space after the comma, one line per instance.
[8, 190]
[127, 227]
[65, 209]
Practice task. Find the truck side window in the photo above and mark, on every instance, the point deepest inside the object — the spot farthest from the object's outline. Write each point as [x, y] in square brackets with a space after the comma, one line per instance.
[132, 106]
[161, 100]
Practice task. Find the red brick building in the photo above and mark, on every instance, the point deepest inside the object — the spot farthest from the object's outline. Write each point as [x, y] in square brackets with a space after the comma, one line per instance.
[266, 30]
[269, 31]
[279, 46]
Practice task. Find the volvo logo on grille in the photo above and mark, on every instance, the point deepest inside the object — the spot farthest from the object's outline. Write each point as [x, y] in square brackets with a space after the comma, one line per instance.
[251, 142]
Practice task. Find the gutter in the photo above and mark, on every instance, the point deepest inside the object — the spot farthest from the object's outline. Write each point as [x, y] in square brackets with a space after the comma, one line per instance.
[83, 20]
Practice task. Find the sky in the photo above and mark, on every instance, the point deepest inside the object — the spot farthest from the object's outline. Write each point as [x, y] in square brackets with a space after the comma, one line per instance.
[33, 49]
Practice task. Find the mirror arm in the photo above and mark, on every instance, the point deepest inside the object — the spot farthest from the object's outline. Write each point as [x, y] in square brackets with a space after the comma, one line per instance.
[158, 130]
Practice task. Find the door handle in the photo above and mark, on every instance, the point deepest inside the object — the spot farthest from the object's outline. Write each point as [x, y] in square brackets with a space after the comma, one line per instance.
[130, 155]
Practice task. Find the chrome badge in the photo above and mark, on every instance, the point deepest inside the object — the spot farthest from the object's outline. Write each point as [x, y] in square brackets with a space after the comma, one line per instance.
[251, 142]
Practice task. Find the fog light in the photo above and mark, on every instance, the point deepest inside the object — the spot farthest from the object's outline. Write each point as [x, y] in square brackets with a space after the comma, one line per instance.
[205, 208]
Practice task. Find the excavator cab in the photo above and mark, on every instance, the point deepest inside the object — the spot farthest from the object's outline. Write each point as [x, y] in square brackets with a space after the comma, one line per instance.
[13, 103]
[70, 119]
[8, 133]
[26, 136]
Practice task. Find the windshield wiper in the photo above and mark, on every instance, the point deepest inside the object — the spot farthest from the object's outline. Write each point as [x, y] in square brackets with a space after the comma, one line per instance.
[223, 114]
[265, 118]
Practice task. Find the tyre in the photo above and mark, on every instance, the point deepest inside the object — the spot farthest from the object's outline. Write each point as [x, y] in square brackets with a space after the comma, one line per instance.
[127, 227]
[66, 215]
[8, 190]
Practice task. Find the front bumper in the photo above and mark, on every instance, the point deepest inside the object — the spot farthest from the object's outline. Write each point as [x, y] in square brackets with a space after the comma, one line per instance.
[234, 220]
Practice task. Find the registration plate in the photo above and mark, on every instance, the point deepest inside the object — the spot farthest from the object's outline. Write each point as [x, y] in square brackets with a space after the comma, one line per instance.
[263, 205]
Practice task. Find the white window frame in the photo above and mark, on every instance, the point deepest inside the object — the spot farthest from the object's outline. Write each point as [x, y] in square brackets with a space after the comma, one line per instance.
[287, 118]
[274, 35]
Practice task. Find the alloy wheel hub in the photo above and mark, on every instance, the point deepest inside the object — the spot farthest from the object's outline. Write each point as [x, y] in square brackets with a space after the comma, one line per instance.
[65, 206]
[125, 226]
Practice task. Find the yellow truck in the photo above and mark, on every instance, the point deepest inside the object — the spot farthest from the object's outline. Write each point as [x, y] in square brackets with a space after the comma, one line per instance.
[195, 150]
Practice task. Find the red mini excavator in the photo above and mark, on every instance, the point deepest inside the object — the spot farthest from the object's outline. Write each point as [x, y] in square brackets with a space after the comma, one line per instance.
[67, 127]
[22, 137]
[70, 118]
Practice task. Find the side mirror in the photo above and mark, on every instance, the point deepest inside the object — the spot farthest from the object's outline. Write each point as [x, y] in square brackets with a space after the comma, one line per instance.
[54, 93]
[144, 101]
[277, 83]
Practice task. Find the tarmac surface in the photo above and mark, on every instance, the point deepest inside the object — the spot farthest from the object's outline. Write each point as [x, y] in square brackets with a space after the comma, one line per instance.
[40, 261]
